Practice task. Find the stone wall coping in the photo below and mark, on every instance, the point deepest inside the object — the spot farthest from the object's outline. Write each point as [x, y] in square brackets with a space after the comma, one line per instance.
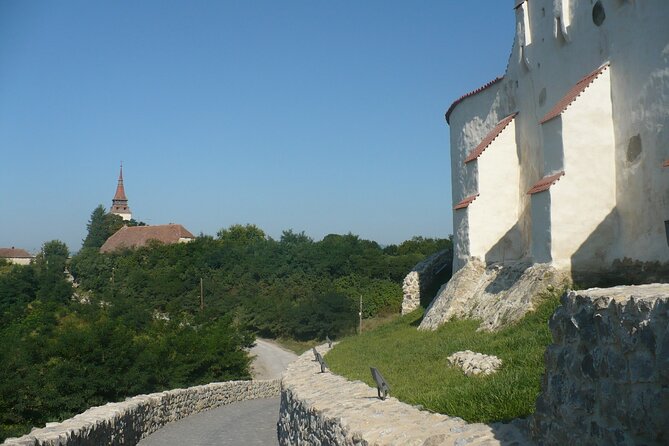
[126, 422]
[324, 407]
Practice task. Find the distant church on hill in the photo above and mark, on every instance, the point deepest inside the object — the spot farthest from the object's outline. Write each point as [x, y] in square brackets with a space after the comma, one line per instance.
[120, 201]
[138, 234]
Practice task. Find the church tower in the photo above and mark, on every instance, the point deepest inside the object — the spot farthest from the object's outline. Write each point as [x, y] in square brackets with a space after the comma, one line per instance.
[120, 201]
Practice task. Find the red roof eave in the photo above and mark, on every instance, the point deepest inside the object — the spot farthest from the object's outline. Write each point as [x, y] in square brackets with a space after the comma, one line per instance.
[545, 183]
[572, 94]
[490, 137]
[471, 93]
[465, 202]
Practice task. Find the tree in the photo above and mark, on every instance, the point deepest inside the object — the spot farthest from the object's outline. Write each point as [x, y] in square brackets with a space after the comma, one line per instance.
[101, 226]
[54, 253]
[243, 234]
[50, 266]
[291, 237]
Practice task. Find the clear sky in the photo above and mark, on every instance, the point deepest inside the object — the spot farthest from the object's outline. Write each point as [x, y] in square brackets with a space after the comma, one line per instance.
[317, 116]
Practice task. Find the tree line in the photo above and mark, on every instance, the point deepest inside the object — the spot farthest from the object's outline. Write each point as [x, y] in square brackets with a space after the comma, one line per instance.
[292, 287]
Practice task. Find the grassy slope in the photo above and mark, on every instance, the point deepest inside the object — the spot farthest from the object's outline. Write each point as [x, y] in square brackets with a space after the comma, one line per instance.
[414, 364]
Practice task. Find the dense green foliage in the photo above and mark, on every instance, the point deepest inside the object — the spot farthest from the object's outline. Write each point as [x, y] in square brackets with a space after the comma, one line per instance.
[414, 364]
[59, 356]
[135, 323]
[102, 225]
[292, 287]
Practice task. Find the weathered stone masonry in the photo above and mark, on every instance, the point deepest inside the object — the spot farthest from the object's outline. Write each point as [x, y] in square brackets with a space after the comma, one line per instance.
[127, 422]
[422, 277]
[324, 408]
[607, 372]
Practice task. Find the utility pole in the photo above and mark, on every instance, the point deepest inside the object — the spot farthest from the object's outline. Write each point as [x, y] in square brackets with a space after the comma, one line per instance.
[201, 295]
[360, 316]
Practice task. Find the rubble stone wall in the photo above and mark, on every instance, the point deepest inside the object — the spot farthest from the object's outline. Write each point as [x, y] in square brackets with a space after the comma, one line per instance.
[127, 422]
[422, 277]
[326, 409]
[607, 371]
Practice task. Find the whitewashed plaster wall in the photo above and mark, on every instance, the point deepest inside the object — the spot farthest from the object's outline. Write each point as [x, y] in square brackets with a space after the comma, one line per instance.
[643, 110]
[460, 238]
[19, 260]
[541, 227]
[494, 214]
[471, 129]
[565, 45]
[582, 203]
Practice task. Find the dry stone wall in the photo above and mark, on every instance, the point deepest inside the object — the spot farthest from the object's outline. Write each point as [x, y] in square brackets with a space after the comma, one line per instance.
[607, 372]
[326, 409]
[422, 277]
[127, 422]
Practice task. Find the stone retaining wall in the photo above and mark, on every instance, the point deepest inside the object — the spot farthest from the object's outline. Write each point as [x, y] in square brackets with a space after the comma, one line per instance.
[607, 371]
[127, 422]
[323, 408]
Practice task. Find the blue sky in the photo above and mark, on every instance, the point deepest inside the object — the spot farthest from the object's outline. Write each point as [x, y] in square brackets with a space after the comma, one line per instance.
[323, 117]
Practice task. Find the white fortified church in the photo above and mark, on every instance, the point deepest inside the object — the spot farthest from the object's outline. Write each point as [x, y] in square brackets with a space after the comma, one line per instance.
[564, 160]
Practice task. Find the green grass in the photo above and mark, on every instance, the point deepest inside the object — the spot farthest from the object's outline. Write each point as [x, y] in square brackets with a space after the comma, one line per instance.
[297, 347]
[414, 364]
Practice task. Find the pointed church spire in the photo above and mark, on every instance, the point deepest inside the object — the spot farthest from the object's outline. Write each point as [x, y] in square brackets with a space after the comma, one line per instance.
[120, 201]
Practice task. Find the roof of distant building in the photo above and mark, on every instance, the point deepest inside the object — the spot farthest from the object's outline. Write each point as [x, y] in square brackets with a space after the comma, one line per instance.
[465, 202]
[120, 190]
[490, 137]
[138, 236]
[572, 94]
[471, 93]
[15, 253]
[545, 183]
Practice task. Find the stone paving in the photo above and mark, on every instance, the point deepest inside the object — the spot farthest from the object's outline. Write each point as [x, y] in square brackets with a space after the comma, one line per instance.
[247, 423]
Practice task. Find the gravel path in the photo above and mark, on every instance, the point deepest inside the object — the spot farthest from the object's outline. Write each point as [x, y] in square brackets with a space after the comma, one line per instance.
[247, 422]
[270, 359]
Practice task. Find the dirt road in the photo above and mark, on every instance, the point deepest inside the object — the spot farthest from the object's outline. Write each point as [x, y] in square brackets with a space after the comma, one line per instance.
[270, 359]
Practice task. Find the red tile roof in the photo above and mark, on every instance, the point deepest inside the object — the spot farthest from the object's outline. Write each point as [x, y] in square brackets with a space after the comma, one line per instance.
[138, 236]
[14, 253]
[471, 93]
[120, 191]
[572, 94]
[466, 202]
[666, 164]
[489, 138]
[545, 183]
